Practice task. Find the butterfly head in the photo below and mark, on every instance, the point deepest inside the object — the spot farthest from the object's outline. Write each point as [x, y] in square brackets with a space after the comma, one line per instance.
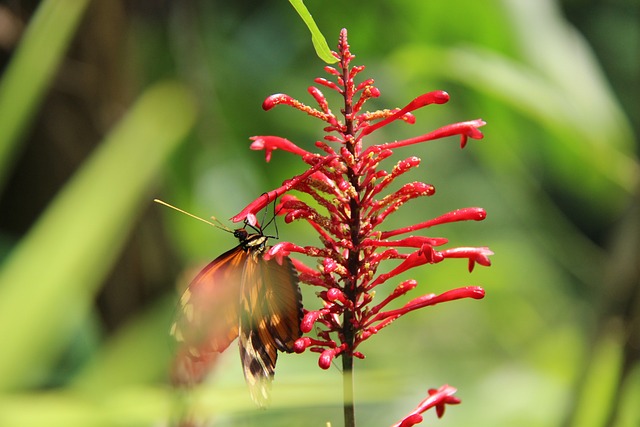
[254, 242]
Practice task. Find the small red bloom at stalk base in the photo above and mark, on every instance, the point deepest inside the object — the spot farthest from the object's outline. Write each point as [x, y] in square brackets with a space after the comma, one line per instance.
[436, 399]
[352, 202]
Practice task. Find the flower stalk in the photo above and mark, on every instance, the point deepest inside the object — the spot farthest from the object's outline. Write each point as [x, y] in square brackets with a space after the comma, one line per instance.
[352, 202]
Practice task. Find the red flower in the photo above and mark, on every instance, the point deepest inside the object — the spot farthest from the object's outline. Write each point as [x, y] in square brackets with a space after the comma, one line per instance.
[352, 200]
[436, 399]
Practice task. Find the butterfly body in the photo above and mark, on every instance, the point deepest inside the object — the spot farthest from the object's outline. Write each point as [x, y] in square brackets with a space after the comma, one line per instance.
[240, 294]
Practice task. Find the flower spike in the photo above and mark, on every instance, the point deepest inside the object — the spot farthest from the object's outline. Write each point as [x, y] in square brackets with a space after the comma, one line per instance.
[347, 200]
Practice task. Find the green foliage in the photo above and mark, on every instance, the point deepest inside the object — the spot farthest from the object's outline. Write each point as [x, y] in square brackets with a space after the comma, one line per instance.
[79, 236]
[556, 172]
[319, 42]
[24, 82]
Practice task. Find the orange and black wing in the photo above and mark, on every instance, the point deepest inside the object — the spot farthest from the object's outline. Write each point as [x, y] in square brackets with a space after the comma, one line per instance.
[270, 315]
[208, 317]
[281, 305]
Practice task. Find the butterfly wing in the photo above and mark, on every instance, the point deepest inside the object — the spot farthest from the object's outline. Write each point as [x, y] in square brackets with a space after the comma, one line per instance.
[271, 311]
[207, 321]
[281, 304]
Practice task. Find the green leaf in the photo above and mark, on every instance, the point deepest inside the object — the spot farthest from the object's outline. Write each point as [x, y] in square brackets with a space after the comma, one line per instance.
[318, 40]
[137, 353]
[48, 283]
[32, 67]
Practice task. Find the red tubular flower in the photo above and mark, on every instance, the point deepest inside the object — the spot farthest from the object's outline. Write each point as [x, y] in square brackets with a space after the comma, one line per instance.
[436, 399]
[271, 143]
[351, 201]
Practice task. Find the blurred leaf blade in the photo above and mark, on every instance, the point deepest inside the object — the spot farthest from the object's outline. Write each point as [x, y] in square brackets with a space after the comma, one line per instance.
[33, 66]
[613, 167]
[139, 353]
[49, 281]
[133, 406]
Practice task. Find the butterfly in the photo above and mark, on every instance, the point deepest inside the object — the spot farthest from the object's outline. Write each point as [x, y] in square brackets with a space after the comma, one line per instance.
[239, 295]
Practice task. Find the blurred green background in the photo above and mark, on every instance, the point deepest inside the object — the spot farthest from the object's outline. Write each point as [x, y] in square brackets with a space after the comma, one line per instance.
[106, 104]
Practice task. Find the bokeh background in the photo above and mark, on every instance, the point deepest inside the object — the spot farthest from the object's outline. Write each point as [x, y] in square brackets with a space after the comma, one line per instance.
[106, 104]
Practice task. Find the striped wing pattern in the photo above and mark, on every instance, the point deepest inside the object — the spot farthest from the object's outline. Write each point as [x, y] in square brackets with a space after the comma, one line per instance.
[239, 294]
[208, 319]
[269, 321]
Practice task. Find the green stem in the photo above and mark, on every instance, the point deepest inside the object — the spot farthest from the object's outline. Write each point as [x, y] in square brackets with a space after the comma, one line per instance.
[353, 267]
[347, 388]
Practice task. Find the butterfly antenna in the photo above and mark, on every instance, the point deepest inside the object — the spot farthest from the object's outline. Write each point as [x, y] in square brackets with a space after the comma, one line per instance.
[218, 225]
[275, 223]
[273, 218]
